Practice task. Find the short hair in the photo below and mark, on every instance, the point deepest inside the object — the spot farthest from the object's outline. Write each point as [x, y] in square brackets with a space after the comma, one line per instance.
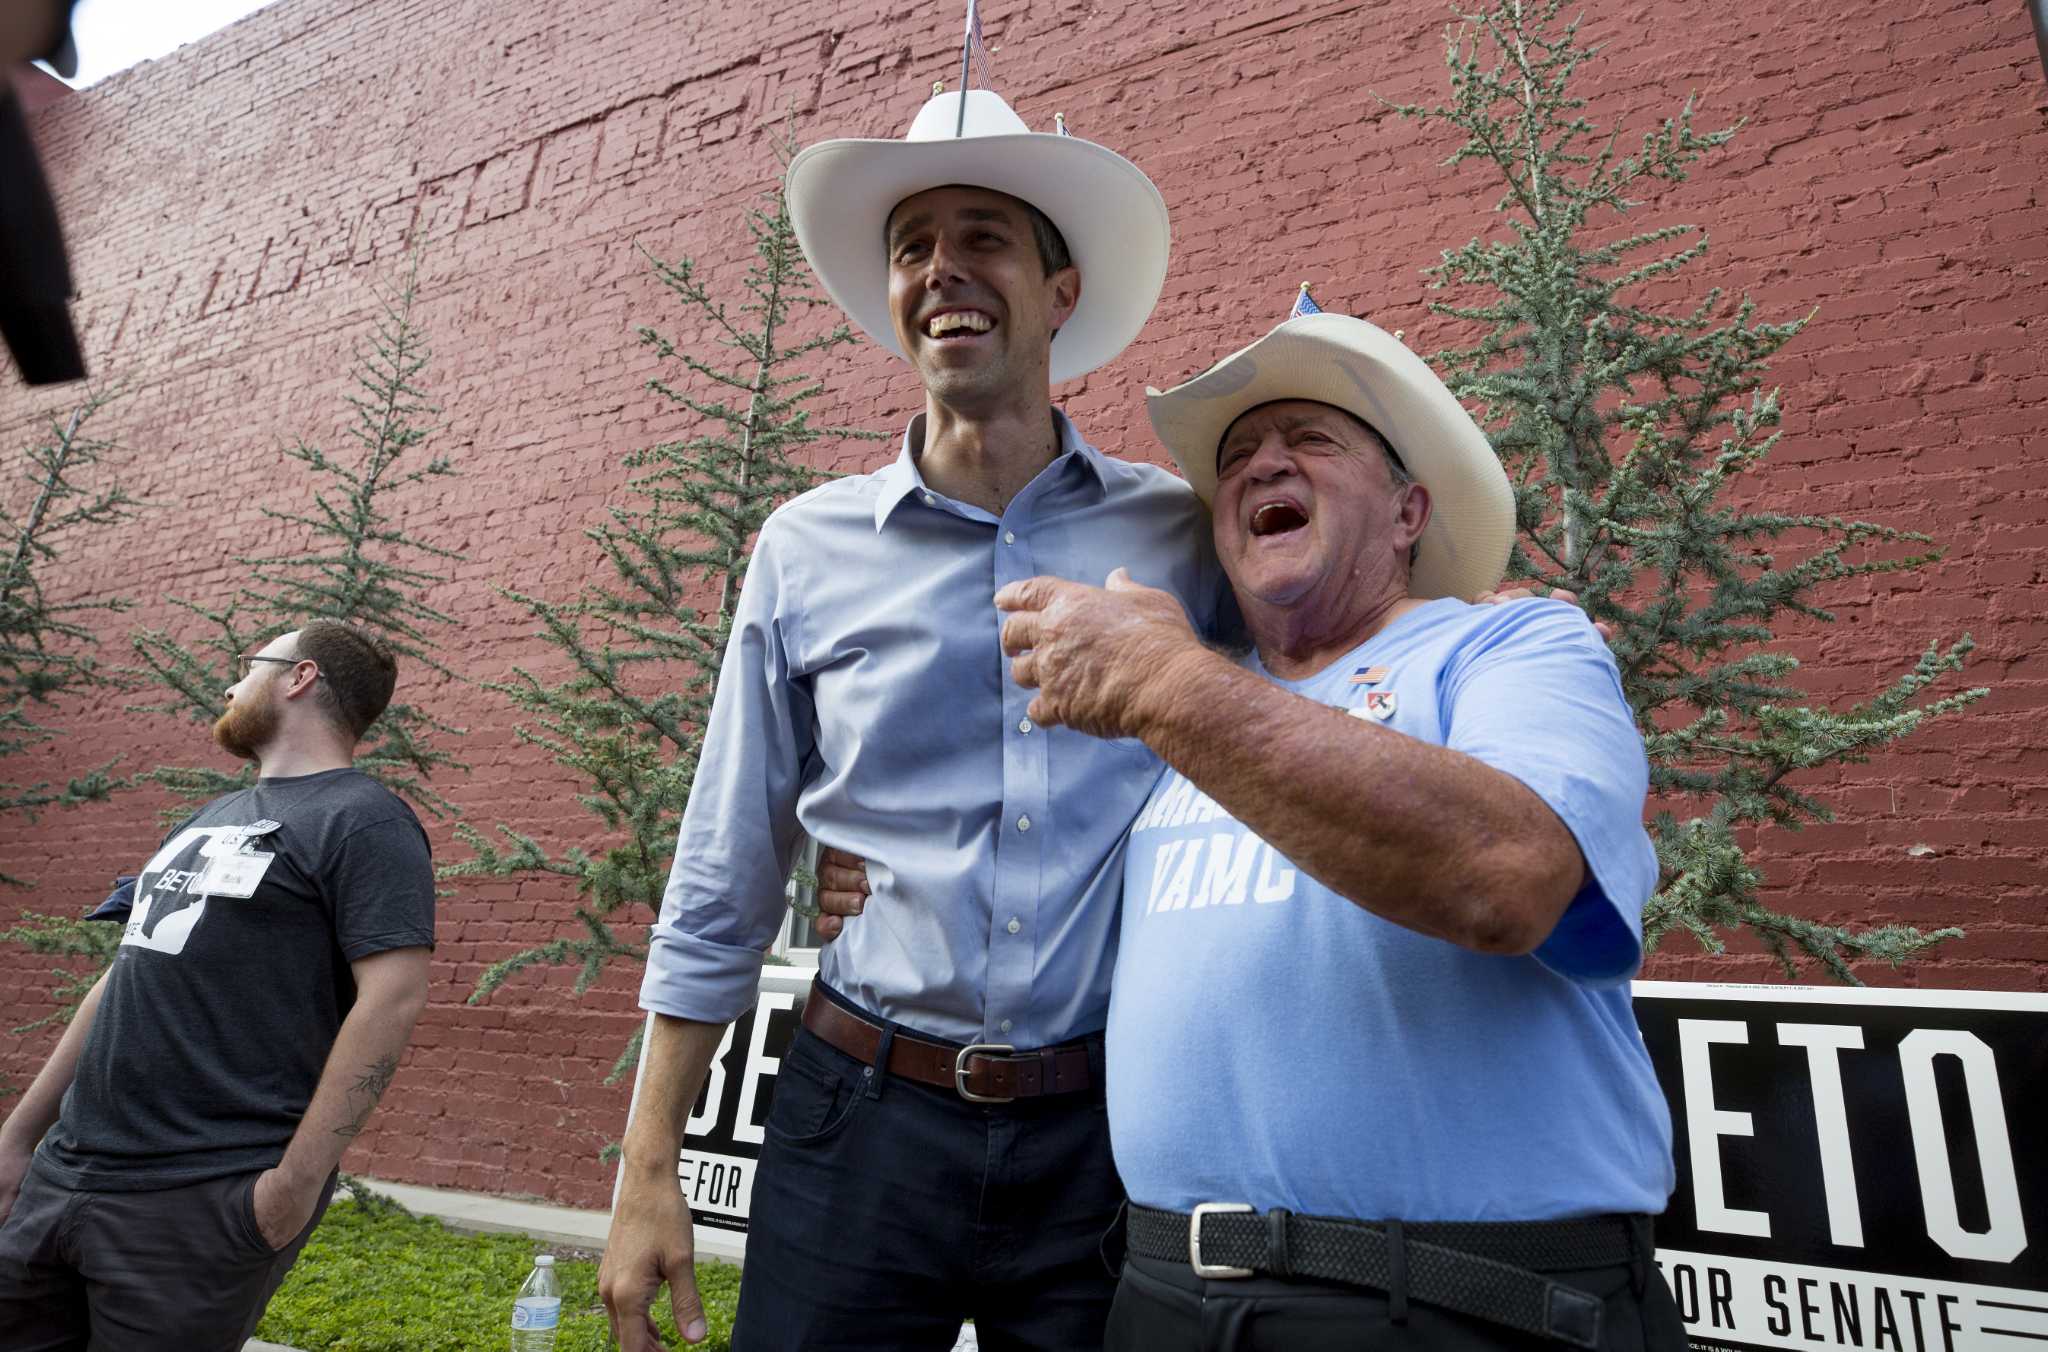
[358, 672]
[1053, 253]
[1395, 467]
[1052, 245]
[1396, 470]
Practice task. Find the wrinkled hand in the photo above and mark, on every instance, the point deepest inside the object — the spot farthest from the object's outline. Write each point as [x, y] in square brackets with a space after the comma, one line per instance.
[842, 891]
[13, 1169]
[281, 1212]
[1098, 656]
[1506, 594]
[650, 1242]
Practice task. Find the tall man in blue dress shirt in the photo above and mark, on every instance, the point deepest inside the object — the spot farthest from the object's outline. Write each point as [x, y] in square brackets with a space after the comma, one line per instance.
[937, 1146]
[1374, 1077]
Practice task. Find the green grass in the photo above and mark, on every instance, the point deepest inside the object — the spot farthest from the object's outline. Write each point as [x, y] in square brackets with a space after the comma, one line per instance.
[378, 1280]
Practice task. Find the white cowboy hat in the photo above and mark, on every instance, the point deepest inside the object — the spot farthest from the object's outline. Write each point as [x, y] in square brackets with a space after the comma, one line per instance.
[1113, 219]
[1366, 371]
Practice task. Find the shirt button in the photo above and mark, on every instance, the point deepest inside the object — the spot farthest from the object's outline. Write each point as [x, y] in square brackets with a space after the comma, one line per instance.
[1024, 823]
[1007, 1025]
[1009, 537]
[930, 501]
[1023, 725]
[1014, 925]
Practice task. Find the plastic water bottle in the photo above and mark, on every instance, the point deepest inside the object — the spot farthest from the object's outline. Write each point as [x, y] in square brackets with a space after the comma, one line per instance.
[538, 1309]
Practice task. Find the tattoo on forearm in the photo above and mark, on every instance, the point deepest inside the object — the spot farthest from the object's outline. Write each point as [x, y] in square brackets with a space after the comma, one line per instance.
[368, 1088]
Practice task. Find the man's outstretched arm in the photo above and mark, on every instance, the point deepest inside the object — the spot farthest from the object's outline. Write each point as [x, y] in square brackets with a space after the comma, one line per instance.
[391, 990]
[651, 1240]
[37, 1111]
[1422, 835]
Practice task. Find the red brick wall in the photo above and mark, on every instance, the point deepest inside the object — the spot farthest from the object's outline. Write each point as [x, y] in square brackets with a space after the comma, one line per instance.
[232, 206]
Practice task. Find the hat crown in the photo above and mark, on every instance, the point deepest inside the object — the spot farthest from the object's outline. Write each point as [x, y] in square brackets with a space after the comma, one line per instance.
[987, 115]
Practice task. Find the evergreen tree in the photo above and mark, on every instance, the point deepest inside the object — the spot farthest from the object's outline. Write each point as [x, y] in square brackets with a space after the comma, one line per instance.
[644, 645]
[353, 561]
[46, 650]
[356, 564]
[1627, 424]
[47, 653]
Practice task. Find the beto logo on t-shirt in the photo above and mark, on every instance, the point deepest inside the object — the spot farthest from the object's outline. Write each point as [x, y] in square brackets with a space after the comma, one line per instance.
[170, 900]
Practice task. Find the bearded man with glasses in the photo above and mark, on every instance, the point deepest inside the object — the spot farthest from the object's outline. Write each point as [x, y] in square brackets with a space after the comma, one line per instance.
[160, 1176]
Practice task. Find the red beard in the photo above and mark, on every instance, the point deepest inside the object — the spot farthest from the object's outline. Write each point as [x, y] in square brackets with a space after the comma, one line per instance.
[248, 725]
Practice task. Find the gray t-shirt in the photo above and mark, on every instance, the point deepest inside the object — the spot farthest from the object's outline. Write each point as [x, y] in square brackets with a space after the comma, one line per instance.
[220, 1009]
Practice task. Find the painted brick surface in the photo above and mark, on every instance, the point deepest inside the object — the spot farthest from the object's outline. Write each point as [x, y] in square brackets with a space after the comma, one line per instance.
[233, 206]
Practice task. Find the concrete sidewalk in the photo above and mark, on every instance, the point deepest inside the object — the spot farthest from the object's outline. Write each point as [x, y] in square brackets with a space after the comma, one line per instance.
[481, 1213]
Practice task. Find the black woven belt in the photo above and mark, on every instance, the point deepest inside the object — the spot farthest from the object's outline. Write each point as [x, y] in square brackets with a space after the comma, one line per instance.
[1477, 1268]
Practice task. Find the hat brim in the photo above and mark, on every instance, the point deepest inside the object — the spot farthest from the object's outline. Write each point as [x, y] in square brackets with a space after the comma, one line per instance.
[1366, 371]
[1112, 217]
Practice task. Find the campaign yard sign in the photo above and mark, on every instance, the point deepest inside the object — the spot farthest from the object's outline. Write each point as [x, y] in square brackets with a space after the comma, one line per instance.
[722, 1140]
[1862, 1169]
[1857, 1169]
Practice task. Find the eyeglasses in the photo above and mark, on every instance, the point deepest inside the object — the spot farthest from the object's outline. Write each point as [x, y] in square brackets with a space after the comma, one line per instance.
[244, 665]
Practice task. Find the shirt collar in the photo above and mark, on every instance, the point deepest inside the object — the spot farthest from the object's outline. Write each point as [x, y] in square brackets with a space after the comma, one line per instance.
[901, 477]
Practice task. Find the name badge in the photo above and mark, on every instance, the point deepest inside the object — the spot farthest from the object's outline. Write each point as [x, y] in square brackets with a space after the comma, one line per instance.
[234, 875]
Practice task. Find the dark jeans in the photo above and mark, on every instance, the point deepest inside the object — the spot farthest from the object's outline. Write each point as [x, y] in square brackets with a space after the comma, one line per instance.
[1163, 1306]
[181, 1268]
[886, 1211]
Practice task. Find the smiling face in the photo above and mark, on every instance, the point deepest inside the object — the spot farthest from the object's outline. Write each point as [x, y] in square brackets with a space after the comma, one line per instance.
[1308, 511]
[973, 306]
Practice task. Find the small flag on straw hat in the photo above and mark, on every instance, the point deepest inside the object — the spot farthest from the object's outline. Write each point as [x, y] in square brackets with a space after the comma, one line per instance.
[1304, 304]
[973, 57]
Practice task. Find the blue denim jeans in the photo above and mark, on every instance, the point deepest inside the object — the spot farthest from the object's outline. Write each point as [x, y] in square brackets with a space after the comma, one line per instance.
[886, 1211]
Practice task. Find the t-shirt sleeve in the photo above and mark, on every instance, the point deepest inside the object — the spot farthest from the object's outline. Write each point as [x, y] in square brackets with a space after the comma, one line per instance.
[725, 901]
[1537, 696]
[380, 884]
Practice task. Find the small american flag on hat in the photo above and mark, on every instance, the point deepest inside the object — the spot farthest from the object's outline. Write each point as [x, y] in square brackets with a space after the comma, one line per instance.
[977, 48]
[1304, 304]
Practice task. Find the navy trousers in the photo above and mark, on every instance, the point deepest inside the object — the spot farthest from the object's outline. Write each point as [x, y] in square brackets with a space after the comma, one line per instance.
[886, 1211]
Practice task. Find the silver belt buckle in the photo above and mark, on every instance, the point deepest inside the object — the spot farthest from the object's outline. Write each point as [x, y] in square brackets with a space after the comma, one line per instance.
[1212, 1271]
[960, 1070]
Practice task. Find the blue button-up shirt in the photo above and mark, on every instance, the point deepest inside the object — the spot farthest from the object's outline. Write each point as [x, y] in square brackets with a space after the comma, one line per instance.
[865, 699]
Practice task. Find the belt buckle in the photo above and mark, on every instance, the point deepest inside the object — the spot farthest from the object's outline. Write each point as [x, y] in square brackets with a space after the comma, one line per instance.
[1212, 1271]
[960, 1070]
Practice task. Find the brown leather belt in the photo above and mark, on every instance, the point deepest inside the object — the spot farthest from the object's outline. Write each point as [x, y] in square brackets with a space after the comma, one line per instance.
[981, 1072]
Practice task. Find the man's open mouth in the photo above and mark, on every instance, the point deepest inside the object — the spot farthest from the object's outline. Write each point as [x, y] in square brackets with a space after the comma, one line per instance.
[958, 324]
[1277, 518]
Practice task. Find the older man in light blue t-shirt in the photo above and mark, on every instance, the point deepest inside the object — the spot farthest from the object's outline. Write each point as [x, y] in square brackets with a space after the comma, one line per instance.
[1374, 1078]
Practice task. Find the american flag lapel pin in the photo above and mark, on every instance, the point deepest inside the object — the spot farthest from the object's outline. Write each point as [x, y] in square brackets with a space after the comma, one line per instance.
[1368, 676]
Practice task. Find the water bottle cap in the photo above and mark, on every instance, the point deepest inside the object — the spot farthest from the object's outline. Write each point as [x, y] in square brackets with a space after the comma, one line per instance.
[543, 1260]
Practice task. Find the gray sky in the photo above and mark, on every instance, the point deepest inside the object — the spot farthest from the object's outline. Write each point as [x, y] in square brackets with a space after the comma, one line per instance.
[113, 35]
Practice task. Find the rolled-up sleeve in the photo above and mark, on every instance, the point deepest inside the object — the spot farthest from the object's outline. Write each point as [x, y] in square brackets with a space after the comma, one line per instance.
[1541, 700]
[725, 899]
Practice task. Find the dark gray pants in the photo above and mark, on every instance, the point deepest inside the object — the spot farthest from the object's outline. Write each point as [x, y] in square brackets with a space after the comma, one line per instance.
[110, 1271]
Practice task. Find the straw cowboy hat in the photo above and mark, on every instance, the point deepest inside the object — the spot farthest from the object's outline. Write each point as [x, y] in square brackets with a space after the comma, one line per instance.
[1113, 219]
[1366, 371]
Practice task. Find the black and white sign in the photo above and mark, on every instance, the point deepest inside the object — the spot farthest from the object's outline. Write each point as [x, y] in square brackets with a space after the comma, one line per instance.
[722, 1141]
[1858, 1169]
